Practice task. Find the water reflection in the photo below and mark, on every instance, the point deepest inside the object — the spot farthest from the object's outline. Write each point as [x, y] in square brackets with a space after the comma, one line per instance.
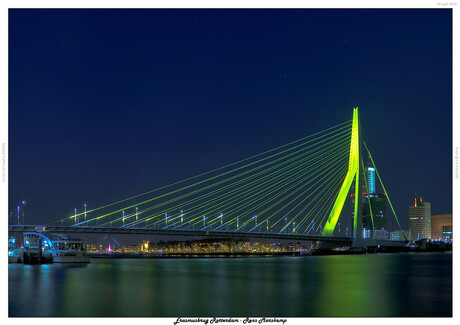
[365, 285]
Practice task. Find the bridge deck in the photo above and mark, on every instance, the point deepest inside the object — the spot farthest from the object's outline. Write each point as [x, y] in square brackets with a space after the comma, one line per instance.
[197, 233]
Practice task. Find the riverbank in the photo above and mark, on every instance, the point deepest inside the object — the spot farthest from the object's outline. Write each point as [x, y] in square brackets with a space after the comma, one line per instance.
[193, 255]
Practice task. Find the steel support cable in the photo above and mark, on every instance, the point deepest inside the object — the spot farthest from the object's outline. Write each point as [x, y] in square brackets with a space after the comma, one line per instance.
[221, 207]
[247, 186]
[215, 184]
[325, 192]
[292, 220]
[254, 200]
[236, 194]
[266, 184]
[333, 178]
[329, 194]
[332, 203]
[196, 191]
[331, 199]
[335, 189]
[166, 194]
[269, 193]
[309, 188]
[334, 128]
[317, 211]
[319, 173]
[386, 193]
[325, 206]
[200, 198]
[293, 200]
[272, 206]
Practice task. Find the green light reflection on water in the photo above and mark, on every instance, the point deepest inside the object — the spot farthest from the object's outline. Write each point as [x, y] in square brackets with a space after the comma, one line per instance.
[348, 287]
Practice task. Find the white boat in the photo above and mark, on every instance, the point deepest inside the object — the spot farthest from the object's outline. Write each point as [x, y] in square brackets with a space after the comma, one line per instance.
[69, 250]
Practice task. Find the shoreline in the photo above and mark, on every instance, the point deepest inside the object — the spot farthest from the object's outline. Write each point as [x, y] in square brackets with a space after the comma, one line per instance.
[193, 255]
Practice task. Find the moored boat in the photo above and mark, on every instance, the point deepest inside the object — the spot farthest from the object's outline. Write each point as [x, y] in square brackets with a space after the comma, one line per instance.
[53, 248]
[69, 250]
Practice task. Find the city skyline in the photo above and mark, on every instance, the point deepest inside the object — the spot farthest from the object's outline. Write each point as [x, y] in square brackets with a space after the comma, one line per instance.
[106, 104]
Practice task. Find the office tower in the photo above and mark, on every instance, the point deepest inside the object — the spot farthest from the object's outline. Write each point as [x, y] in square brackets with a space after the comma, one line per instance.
[377, 202]
[374, 225]
[371, 179]
[420, 219]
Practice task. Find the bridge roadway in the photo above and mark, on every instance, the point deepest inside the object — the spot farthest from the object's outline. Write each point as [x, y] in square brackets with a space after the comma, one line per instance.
[197, 233]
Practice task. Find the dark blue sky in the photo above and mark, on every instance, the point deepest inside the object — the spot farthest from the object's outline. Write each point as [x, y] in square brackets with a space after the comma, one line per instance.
[105, 104]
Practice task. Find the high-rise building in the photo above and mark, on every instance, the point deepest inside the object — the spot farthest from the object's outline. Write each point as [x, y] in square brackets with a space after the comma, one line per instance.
[374, 225]
[378, 203]
[371, 179]
[441, 226]
[420, 219]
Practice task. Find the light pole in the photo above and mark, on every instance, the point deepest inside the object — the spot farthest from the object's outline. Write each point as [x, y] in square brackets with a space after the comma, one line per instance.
[23, 209]
[84, 205]
[75, 212]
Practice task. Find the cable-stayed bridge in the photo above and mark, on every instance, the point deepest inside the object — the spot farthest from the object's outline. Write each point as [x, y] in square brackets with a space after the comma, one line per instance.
[296, 191]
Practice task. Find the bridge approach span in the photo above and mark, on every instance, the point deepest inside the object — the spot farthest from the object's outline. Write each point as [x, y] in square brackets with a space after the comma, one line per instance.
[195, 233]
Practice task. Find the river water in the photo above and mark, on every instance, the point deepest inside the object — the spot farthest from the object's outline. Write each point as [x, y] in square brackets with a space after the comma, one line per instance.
[405, 284]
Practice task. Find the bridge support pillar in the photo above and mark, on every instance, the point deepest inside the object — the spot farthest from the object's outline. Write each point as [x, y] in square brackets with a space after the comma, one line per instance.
[358, 240]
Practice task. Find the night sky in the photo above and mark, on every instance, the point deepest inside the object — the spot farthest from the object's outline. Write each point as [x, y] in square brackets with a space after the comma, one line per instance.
[106, 104]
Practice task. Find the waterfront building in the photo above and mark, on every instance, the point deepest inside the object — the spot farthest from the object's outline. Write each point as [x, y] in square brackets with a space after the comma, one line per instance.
[441, 226]
[380, 234]
[399, 235]
[420, 219]
[145, 245]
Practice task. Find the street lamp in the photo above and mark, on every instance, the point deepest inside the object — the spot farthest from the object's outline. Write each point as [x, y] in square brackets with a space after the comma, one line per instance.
[23, 209]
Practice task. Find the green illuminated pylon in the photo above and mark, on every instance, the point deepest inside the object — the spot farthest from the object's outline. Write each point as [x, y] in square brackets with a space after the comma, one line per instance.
[352, 173]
